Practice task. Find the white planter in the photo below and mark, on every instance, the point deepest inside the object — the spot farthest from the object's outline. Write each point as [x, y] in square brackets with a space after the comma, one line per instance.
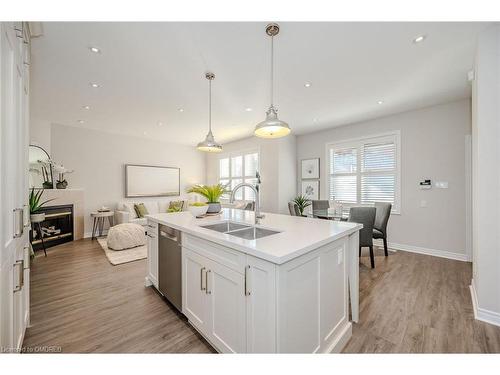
[37, 218]
[198, 210]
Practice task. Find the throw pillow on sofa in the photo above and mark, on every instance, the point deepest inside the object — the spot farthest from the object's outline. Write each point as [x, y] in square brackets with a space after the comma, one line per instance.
[141, 210]
[175, 206]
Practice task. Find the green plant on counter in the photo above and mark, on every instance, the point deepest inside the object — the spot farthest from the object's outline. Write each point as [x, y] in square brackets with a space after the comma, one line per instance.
[211, 193]
[34, 201]
[198, 204]
[302, 202]
[174, 209]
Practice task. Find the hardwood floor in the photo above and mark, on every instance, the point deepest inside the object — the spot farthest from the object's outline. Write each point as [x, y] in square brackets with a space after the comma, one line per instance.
[81, 303]
[409, 303]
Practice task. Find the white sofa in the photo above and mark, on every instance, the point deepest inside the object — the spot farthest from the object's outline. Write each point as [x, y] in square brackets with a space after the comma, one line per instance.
[125, 212]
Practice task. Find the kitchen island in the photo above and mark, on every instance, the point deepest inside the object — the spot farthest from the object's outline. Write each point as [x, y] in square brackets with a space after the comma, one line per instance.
[281, 286]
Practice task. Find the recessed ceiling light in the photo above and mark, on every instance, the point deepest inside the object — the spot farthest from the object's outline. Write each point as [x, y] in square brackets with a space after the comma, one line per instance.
[81, 121]
[86, 107]
[145, 133]
[95, 85]
[181, 109]
[95, 49]
[380, 102]
[160, 123]
[315, 120]
[307, 84]
[248, 109]
[419, 39]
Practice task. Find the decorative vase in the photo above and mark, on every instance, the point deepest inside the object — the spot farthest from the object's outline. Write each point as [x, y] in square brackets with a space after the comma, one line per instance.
[37, 218]
[198, 210]
[62, 184]
[48, 185]
[214, 208]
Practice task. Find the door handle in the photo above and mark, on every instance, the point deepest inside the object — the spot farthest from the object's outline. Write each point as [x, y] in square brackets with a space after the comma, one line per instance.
[201, 279]
[26, 217]
[247, 292]
[206, 282]
[18, 222]
[20, 280]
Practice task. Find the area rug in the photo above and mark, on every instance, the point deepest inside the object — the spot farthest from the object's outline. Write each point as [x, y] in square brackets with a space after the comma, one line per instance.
[116, 257]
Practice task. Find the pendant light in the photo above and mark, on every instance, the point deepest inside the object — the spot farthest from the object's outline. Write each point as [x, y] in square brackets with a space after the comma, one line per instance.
[209, 144]
[272, 127]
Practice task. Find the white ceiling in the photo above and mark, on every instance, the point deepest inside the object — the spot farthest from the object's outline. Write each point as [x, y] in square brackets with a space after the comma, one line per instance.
[150, 70]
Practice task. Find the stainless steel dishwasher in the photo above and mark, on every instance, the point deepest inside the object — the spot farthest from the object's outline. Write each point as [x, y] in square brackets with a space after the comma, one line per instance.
[170, 265]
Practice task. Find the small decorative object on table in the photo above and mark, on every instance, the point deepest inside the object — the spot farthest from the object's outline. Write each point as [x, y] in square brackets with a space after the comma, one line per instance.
[212, 194]
[302, 202]
[198, 209]
[103, 209]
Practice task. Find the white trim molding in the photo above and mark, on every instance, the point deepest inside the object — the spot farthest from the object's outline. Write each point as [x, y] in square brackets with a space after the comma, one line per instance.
[425, 251]
[483, 315]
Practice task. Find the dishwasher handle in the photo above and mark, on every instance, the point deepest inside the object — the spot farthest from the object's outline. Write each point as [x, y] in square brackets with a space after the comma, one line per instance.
[171, 237]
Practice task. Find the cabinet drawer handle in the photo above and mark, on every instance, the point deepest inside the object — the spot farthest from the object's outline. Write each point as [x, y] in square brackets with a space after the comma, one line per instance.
[206, 282]
[201, 279]
[247, 292]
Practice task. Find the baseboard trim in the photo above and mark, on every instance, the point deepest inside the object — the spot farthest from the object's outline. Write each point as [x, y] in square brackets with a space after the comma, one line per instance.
[89, 234]
[483, 315]
[426, 251]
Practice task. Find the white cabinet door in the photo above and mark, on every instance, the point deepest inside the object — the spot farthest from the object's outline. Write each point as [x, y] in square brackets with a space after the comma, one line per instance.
[227, 303]
[152, 238]
[194, 296]
[260, 306]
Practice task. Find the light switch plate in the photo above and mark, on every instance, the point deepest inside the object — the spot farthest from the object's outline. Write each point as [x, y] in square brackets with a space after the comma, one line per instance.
[441, 184]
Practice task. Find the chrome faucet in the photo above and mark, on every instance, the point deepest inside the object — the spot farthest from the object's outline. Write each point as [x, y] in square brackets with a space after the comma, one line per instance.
[256, 207]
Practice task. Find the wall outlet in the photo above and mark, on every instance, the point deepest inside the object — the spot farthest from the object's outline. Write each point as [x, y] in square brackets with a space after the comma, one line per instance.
[340, 256]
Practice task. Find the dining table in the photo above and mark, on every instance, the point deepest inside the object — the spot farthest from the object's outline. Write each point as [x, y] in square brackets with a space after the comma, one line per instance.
[328, 214]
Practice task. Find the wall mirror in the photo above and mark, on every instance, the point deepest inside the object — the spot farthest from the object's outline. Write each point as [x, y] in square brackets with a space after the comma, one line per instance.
[40, 168]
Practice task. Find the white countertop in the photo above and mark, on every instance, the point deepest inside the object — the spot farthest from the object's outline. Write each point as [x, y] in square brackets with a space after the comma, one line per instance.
[298, 235]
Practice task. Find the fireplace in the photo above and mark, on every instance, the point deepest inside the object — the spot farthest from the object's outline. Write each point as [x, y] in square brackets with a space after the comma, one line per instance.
[57, 227]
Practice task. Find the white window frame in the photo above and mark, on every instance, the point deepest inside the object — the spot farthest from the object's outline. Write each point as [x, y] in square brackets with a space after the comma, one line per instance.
[358, 142]
[244, 178]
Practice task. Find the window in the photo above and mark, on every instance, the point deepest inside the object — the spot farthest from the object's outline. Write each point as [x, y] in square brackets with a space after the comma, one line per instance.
[237, 168]
[365, 171]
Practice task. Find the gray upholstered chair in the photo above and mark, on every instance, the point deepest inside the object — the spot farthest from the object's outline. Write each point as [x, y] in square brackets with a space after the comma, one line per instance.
[294, 209]
[320, 205]
[381, 219]
[365, 216]
[249, 206]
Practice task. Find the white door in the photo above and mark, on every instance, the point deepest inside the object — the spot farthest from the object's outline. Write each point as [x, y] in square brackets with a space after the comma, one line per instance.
[12, 179]
[260, 306]
[227, 303]
[194, 294]
[153, 257]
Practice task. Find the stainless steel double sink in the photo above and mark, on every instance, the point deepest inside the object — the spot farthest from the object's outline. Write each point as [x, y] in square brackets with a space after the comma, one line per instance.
[247, 232]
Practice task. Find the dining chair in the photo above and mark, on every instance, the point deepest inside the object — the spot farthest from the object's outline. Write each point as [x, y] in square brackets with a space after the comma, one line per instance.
[365, 216]
[381, 219]
[320, 205]
[294, 209]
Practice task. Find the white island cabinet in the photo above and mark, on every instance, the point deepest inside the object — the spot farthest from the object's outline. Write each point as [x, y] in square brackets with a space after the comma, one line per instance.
[287, 294]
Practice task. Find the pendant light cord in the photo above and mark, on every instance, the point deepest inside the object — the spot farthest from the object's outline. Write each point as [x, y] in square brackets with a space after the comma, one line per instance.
[272, 71]
[210, 105]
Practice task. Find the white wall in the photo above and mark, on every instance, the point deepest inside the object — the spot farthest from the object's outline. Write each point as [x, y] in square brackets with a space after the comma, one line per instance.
[40, 133]
[98, 159]
[486, 176]
[432, 146]
[277, 169]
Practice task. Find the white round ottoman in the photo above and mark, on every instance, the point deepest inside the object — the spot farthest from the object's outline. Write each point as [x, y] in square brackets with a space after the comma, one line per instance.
[125, 236]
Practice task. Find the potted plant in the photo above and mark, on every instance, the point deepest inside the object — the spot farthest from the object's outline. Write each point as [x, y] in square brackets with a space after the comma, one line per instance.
[61, 182]
[35, 205]
[198, 208]
[212, 194]
[302, 202]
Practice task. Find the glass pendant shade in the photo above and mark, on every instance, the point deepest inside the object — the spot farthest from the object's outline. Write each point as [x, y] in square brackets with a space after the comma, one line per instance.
[272, 127]
[209, 144]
